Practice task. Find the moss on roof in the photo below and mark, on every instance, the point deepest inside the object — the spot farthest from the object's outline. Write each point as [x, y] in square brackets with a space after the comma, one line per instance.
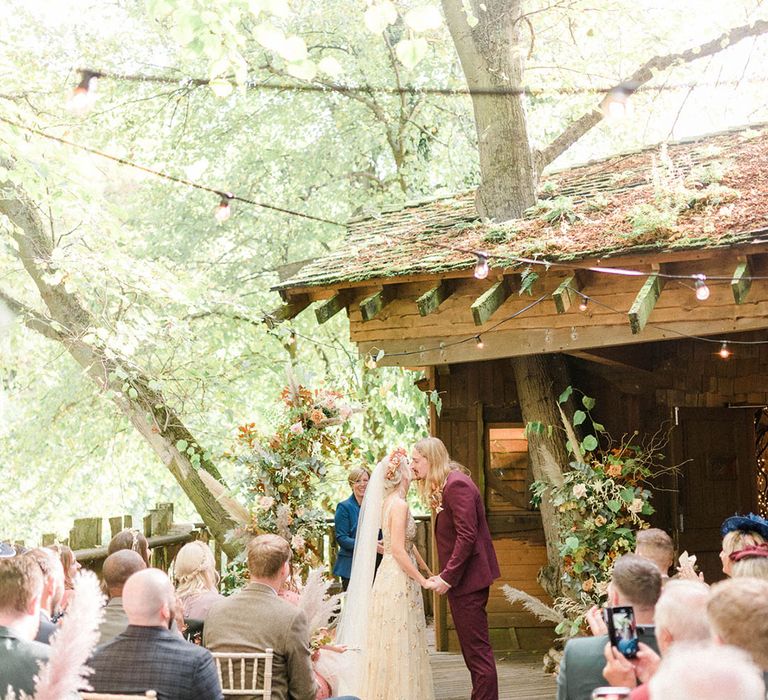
[708, 192]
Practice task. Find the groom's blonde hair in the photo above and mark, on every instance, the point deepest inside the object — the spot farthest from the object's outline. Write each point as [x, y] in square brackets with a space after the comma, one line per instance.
[440, 466]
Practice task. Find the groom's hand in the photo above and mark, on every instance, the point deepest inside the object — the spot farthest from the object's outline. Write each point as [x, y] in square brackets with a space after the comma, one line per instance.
[438, 585]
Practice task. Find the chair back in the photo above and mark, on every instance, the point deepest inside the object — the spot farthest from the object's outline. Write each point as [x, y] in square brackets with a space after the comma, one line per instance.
[239, 673]
[111, 696]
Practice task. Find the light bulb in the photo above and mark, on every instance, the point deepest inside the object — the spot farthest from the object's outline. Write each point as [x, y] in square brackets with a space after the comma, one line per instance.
[480, 343]
[84, 95]
[725, 353]
[583, 303]
[702, 291]
[617, 103]
[574, 333]
[481, 266]
[223, 211]
[371, 363]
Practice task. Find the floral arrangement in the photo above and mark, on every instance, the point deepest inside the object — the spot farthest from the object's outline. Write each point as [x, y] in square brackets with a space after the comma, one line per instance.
[397, 460]
[601, 501]
[282, 470]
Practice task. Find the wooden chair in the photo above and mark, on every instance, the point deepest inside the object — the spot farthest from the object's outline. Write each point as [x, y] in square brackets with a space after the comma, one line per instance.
[238, 680]
[109, 696]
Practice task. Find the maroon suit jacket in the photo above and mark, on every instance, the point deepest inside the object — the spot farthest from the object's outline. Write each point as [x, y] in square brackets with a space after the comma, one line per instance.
[464, 547]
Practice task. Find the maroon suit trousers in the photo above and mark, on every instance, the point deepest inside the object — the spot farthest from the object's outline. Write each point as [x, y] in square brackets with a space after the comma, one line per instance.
[471, 620]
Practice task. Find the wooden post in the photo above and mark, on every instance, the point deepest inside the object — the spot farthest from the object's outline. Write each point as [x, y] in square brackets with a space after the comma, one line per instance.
[646, 299]
[119, 523]
[85, 533]
[48, 539]
[741, 281]
[564, 296]
[430, 301]
[330, 307]
[487, 303]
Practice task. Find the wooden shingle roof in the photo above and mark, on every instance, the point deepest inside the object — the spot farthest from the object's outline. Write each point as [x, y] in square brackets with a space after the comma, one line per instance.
[725, 174]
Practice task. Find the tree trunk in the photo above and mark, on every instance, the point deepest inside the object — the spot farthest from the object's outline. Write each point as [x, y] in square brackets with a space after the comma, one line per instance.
[72, 325]
[492, 61]
[540, 380]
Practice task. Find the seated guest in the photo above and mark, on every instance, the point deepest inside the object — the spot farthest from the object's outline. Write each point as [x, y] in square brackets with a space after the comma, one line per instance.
[738, 614]
[130, 539]
[21, 585]
[196, 579]
[656, 545]
[256, 619]
[148, 655]
[707, 673]
[71, 566]
[53, 590]
[117, 569]
[680, 616]
[739, 532]
[636, 582]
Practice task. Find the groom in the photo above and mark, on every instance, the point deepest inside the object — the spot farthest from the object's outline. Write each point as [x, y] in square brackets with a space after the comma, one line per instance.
[467, 559]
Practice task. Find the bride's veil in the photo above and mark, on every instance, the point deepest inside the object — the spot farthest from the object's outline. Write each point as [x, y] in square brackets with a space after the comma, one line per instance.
[352, 629]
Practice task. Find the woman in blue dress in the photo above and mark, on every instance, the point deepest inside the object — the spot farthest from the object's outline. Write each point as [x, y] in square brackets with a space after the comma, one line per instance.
[347, 514]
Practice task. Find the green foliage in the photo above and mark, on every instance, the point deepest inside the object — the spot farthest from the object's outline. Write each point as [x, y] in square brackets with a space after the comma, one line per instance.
[601, 502]
[554, 211]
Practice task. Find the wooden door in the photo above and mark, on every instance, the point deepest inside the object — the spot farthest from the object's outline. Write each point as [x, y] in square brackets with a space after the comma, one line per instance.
[716, 448]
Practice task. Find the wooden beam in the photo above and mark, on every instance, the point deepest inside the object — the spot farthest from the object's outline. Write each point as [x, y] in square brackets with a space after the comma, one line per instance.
[646, 299]
[430, 301]
[489, 301]
[372, 305]
[292, 308]
[741, 281]
[330, 307]
[564, 296]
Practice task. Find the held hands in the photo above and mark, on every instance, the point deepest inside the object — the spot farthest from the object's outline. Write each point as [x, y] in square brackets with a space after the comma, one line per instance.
[435, 583]
[380, 547]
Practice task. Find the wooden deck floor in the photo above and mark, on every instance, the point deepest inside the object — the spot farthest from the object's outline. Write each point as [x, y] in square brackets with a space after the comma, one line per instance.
[520, 677]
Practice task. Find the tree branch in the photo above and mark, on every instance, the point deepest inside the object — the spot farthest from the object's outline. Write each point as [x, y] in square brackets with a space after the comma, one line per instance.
[31, 318]
[642, 75]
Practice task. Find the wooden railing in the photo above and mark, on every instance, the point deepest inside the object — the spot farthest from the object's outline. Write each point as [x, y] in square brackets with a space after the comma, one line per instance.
[165, 538]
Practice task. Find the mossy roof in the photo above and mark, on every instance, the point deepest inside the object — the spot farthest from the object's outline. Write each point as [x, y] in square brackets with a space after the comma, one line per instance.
[723, 175]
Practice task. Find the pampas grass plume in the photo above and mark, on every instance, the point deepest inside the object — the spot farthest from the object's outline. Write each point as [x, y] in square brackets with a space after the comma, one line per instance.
[72, 644]
[314, 603]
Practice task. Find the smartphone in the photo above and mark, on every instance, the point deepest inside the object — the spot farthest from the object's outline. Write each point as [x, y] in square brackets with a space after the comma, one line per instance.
[622, 629]
[610, 693]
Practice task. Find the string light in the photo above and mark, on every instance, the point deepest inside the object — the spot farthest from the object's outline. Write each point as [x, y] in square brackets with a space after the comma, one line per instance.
[224, 211]
[617, 103]
[84, 95]
[480, 343]
[724, 352]
[481, 266]
[371, 363]
[574, 333]
[702, 291]
[583, 304]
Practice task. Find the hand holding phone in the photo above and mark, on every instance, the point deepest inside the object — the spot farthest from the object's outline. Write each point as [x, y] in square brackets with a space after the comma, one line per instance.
[622, 629]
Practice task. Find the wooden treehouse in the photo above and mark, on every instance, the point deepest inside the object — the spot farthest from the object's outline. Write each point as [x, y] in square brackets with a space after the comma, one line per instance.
[628, 242]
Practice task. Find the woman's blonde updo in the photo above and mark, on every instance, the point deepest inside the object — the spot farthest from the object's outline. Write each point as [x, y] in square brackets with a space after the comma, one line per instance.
[195, 569]
[397, 469]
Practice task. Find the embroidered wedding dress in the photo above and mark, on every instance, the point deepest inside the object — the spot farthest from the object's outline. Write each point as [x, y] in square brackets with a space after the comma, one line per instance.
[383, 620]
[395, 659]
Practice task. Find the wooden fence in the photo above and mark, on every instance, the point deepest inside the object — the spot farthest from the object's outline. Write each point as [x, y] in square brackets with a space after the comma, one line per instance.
[89, 544]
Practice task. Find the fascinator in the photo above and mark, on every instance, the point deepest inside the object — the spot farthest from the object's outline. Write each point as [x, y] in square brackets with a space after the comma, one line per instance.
[746, 523]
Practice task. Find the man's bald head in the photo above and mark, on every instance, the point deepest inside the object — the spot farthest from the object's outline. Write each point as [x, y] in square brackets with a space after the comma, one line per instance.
[119, 567]
[149, 599]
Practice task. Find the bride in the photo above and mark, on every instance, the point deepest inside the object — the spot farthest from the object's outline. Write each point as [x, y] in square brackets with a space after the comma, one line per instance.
[383, 620]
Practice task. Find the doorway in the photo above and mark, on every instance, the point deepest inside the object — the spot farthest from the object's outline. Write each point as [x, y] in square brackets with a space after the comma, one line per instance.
[716, 450]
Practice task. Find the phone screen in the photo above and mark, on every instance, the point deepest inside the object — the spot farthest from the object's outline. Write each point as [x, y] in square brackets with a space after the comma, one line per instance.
[622, 630]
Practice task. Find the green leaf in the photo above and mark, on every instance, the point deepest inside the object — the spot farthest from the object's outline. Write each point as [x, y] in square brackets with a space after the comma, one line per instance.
[614, 505]
[411, 51]
[589, 443]
[181, 445]
[565, 395]
[588, 401]
[133, 393]
[579, 417]
[627, 494]
[599, 427]
[572, 543]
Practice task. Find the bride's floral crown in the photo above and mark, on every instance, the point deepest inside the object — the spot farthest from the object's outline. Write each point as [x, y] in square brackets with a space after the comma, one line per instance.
[398, 458]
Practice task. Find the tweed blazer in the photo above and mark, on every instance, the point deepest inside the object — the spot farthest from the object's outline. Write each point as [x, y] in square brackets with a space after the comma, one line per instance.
[19, 661]
[154, 658]
[115, 620]
[464, 546]
[581, 669]
[256, 619]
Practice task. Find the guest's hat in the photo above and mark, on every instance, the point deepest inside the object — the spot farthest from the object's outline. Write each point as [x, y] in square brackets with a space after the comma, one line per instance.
[7, 551]
[746, 523]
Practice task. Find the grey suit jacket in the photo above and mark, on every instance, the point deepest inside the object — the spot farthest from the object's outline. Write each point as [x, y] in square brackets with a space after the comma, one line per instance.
[581, 670]
[256, 619]
[115, 620]
[46, 629]
[19, 661]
